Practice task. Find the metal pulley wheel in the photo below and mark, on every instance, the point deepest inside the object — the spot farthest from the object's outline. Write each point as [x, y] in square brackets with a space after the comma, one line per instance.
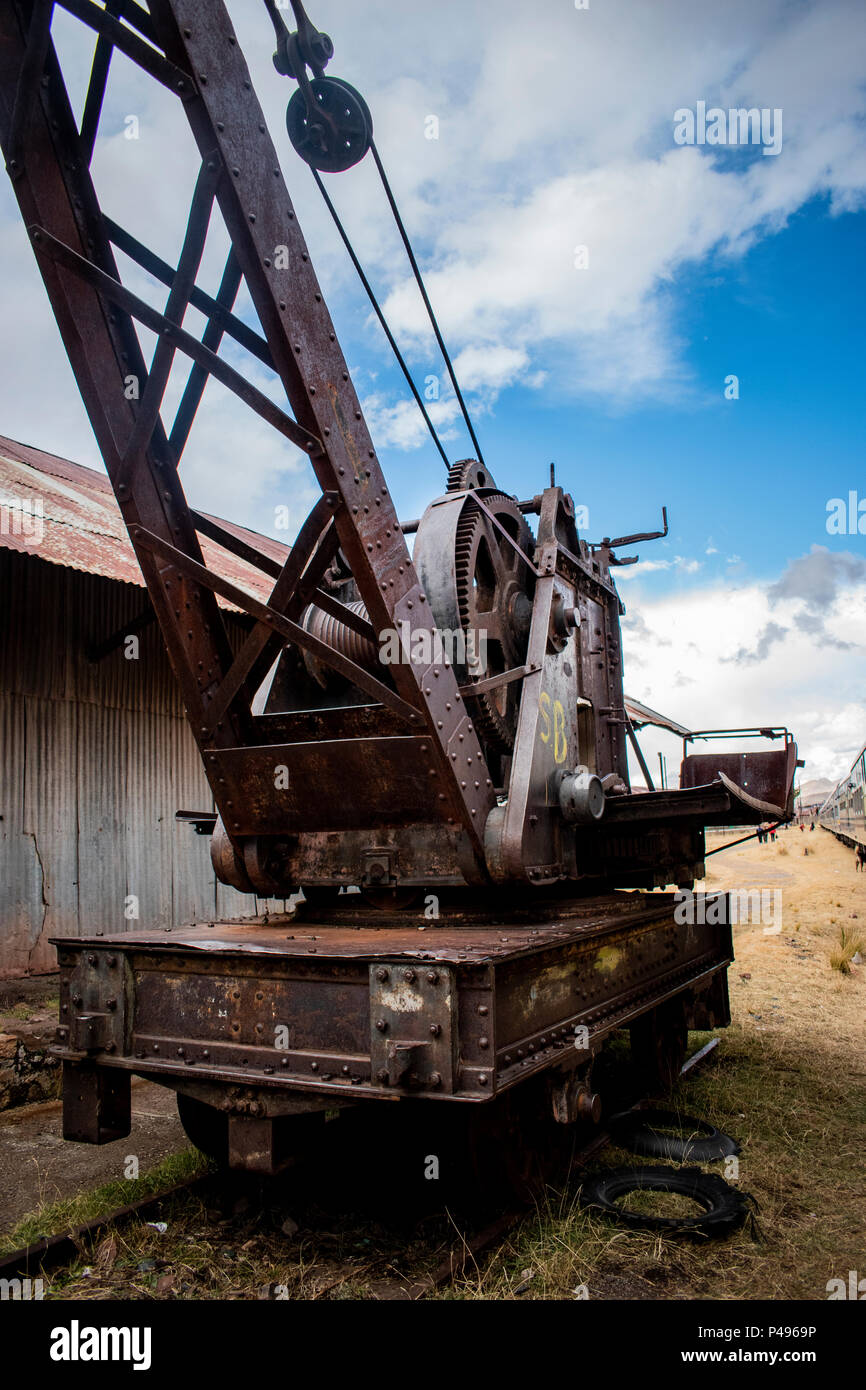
[338, 133]
[480, 584]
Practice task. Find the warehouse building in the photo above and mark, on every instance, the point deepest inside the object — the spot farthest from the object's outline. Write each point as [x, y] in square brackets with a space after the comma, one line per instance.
[97, 753]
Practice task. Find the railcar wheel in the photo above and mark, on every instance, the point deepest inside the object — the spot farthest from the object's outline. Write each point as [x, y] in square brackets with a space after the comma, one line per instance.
[296, 1137]
[472, 1157]
[515, 1145]
[658, 1046]
[205, 1127]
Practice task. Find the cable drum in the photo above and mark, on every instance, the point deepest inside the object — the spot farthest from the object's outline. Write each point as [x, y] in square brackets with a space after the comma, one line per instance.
[341, 637]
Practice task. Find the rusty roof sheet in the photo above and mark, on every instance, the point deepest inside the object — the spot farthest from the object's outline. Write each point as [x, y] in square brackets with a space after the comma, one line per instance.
[67, 515]
[640, 715]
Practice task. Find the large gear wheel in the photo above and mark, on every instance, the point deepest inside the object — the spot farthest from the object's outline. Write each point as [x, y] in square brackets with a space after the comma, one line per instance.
[480, 584]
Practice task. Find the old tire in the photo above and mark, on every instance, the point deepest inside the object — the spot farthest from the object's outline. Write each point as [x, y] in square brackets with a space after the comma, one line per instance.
[640, 1132]
[724, 1207]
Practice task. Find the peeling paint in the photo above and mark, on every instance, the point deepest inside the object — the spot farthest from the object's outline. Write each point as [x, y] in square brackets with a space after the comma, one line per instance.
[608, 959]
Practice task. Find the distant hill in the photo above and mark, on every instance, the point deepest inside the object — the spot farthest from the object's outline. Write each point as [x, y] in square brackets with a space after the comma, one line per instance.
[817, 790]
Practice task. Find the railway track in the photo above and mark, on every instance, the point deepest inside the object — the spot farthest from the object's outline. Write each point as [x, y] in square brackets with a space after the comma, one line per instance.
[59, 1250]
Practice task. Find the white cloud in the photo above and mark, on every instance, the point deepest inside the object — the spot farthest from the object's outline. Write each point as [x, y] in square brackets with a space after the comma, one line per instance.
[493, 368]
[400, 425]
[499, 245]
[717, 656]
[551, 135]
[681, 563]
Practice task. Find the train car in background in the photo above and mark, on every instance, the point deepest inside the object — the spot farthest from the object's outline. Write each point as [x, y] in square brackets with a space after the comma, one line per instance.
[843, 812]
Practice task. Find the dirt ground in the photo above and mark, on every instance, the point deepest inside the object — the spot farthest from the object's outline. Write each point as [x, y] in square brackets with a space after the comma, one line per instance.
[782, 983]
[38, 1167]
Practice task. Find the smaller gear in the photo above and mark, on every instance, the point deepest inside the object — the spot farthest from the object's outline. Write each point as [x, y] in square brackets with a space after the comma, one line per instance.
[468, 473]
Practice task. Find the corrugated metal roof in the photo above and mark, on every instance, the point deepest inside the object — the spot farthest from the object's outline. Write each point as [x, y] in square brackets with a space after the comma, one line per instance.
[66, 514]
[640, 715]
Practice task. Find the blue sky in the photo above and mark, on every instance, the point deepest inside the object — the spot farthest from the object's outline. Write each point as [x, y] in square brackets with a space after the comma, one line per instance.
[750, 476]
[704, 261]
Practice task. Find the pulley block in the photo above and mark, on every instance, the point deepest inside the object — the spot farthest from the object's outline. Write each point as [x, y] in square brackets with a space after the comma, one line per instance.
[338, 132]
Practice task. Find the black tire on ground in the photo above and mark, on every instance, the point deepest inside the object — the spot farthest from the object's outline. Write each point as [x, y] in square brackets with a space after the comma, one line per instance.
[640, 1132]
[205, 1127]
[724, 1207]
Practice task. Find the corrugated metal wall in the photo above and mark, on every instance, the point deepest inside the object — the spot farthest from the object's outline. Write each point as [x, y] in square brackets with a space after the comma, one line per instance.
[96, 759]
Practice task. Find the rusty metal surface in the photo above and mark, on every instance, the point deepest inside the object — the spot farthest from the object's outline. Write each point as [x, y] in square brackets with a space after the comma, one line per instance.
[96, 1103]
[80, 525]
[476, 933]
[413, 1038]
[483, 777]
[240, 179]
[454, 1012]
[97, 757]
[345, 767]
[764, 776]
[641, 715]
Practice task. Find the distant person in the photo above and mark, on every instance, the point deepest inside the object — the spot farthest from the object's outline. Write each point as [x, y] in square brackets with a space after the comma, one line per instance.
[773, 833]
[802, 826]
[812, 826]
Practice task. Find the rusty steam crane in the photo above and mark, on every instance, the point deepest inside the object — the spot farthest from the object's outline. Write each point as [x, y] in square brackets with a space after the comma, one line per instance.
[491, 779]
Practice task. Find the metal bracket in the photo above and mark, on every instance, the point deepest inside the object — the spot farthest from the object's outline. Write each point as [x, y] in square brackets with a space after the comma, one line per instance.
[413, 1026]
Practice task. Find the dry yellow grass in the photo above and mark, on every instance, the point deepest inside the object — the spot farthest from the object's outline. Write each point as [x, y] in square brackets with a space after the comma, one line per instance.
[789, 1083]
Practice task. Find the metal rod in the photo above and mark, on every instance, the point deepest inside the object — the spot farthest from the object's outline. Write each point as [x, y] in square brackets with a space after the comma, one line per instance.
[139, 52]
[176, 306]
[531, 507]
[157, 322]
[708, 852]
[198, 375]
[206, 526]
[629, 728]
[381, 317]
[699, 1056]
[429, 307]
[211, 308]
[290, 631]
[96, 88]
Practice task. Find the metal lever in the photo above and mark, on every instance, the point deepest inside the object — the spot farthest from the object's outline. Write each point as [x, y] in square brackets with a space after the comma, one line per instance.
[639, 536]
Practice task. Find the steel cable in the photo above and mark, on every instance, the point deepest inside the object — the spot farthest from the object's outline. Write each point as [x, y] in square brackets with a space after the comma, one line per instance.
[379, 314]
